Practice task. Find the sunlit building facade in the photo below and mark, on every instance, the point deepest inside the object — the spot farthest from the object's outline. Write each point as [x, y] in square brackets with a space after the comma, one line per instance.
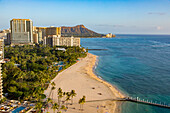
[1, 61]
[42, 30]
[46, 31]
[53, 31]
[54, 40]
[21, 31]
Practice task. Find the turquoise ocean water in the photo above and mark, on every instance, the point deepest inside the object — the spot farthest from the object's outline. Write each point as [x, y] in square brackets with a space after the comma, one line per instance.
[138, 65]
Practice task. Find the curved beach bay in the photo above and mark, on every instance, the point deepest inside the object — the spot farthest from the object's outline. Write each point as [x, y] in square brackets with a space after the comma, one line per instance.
[80, 77]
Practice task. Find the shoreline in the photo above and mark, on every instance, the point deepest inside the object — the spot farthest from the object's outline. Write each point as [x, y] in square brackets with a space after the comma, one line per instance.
[82, 78]
[113, 88]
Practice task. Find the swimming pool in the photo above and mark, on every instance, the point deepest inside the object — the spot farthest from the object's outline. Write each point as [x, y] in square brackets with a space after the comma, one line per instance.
[18, 109]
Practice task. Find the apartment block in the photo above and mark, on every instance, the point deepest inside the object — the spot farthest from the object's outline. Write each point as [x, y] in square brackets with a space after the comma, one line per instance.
[46, 31]
[1, 61]
[54, 40]
[21, 31]
[42, 30]
[53, 31]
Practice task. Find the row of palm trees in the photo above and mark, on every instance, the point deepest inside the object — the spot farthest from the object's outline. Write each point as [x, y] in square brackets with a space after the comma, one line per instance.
[63, 99]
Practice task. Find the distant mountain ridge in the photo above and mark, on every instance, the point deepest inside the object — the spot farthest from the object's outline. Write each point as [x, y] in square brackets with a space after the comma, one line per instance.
[79, 31]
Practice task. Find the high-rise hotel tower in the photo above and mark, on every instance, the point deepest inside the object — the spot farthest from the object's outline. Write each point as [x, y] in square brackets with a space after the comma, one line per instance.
[21, 31]
[1, 61]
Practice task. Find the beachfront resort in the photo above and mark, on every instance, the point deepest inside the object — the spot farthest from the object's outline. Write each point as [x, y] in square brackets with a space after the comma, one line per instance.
[85, 56]
[36, 60]
[30, 58]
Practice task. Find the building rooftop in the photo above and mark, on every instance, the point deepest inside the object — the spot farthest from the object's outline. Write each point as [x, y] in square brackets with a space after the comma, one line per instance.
[40, 27]
[21, 19]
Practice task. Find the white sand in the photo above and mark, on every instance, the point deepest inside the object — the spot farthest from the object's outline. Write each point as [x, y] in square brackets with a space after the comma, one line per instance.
[80, 77]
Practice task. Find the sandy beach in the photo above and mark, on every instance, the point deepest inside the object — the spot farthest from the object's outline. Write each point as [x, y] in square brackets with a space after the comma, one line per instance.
[80, 77]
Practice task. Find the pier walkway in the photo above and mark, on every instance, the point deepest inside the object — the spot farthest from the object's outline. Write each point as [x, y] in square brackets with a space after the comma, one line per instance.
[137, 100]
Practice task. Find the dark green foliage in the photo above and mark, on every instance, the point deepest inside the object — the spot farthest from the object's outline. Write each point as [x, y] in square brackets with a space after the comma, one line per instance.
[35, 68]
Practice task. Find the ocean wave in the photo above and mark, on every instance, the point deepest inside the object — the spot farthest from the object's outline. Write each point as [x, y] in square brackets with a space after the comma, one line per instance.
[159, 44]
[165, 45]
[100, 77]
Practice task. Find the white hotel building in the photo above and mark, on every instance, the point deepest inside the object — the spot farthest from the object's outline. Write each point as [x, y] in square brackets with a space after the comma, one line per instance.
[1, 61]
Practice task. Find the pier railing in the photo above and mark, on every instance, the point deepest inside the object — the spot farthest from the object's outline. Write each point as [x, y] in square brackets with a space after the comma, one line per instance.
[136, 100]
[145, 101]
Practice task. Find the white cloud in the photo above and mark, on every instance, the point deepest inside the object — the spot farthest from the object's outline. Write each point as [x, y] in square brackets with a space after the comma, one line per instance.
[159, 28]
[157, 13]
[109, 25]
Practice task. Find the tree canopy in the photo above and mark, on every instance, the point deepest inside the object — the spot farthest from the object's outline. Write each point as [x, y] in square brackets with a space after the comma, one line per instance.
[32, 67]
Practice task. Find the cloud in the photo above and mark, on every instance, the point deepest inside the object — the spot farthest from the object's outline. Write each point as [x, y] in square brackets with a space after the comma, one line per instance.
[156, 13]
[109, 25]
[159, 28]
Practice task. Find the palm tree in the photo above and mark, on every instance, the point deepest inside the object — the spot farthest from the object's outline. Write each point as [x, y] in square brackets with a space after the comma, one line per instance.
[49, 101]
[53, 84]
[82, 101]
[55, 106]
[52, 88]
[64, 94]
[60, 95]
[63, 108]
[52, 91]
[73, 94]
[67, 98]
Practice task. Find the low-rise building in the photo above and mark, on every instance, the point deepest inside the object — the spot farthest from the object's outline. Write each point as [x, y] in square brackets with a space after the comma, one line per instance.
[54, 40]
[66, 41]
[76, 42]
[5, 31]
[110, 35]
[5, 34]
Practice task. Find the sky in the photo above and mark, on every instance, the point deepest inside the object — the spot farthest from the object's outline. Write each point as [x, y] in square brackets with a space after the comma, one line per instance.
[102, 16]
